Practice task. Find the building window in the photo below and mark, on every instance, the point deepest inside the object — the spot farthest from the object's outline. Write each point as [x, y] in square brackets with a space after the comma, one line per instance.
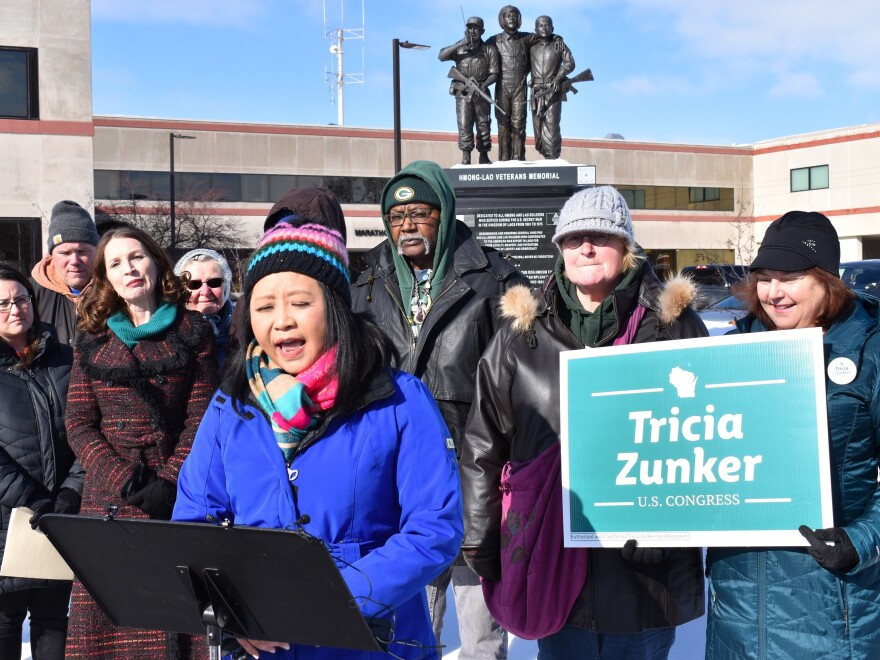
[635, 197]
[677, 198]
[19, 92]
[231, 187]
[809, 178]
[20, 242]
[698, 195]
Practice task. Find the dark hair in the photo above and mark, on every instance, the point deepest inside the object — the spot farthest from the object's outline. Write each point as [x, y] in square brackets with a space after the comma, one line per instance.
[362, 351]
[839, 300]
[100, 301]
[105, 223]
[35, 332]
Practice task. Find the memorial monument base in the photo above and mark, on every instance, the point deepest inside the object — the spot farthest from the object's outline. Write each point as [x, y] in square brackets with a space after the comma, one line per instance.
[512, 206]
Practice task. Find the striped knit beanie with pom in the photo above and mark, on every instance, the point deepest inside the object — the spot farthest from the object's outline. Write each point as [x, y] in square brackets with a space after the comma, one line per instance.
[312, 250]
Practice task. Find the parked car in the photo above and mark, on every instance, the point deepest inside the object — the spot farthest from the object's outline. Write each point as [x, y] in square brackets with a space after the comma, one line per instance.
[862, 276]
[716, 274]
[714, 281]
[722, 316]
[709, 295]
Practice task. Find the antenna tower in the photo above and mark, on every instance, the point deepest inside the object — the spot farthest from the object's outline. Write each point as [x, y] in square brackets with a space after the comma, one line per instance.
[339, 78]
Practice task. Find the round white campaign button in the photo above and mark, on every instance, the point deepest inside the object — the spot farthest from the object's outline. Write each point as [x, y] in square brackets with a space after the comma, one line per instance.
[842, 371]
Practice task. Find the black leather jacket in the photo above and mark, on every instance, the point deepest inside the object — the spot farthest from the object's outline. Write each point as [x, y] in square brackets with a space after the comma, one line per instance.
[35, 459]
[515, 416]
[457, 329]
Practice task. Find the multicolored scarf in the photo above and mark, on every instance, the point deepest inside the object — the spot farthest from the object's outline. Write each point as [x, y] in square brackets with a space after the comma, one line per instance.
[292, 403]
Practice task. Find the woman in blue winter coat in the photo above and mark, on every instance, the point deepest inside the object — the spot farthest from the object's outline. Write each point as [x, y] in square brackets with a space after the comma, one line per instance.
[821, 601]
[312, 429]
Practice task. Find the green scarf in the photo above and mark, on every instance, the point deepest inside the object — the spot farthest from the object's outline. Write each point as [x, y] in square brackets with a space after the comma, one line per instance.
[589, 327]
[162, 319]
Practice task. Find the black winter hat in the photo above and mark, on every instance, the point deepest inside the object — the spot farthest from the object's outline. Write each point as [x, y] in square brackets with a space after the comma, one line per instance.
[309, 205]
[70, 223]
[799, 240]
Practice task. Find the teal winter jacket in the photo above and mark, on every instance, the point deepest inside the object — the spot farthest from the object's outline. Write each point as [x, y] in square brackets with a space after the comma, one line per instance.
[779, 603]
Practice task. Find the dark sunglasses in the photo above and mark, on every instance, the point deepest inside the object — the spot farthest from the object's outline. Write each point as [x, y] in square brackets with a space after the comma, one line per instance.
[195, 285]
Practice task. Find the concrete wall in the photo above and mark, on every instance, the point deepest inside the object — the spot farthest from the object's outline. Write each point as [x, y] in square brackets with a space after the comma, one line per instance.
[49, 159]
[142, 144]
[852, 199]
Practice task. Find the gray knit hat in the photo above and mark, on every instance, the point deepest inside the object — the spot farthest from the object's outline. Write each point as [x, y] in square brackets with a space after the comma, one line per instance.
[601, 209]
[70, 223]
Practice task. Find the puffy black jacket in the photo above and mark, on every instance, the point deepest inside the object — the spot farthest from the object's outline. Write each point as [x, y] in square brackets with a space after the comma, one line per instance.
[456, 331]
[35, 459]
[515, 417]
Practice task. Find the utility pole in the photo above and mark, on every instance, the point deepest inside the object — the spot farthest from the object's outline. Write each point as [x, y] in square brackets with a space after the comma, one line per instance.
[339, 77]
[171, 137]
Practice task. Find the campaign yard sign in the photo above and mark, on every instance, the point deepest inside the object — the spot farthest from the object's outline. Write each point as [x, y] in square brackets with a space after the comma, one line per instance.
[699, 442]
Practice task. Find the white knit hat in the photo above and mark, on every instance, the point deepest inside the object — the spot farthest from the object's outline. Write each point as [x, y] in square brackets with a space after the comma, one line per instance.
[201, 254]
[601, 209]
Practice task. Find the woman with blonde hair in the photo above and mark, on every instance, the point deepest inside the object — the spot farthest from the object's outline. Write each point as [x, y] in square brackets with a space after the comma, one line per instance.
[603, 292]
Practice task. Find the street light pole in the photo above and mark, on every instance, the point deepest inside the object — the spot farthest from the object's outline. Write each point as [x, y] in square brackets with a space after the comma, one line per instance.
[396, 46]
[171, 138]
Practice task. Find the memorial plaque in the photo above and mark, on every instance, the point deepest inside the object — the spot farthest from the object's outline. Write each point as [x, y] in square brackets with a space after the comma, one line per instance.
[514, 208]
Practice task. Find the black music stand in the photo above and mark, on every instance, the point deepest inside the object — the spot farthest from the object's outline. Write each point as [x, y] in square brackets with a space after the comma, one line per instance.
[195, 578]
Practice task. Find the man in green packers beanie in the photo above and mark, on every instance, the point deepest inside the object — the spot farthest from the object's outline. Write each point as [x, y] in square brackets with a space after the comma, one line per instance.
[434, 291]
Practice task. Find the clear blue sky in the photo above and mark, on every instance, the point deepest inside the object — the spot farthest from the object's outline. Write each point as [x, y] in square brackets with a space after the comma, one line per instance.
[693, 71]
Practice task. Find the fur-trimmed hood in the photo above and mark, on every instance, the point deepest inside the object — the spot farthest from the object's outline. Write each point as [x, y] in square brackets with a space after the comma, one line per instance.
[669, 300]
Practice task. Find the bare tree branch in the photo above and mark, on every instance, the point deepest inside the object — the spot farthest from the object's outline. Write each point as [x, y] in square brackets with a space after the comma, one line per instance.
[742, 241]
[197, 224]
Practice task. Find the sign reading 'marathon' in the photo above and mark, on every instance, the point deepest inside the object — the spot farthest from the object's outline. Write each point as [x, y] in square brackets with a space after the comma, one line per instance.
[700, 442]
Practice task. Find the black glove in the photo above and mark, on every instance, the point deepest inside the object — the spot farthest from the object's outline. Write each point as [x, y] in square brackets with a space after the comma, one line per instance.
[140, 476]
[67, 501]
[841, 556]
[155, 496]
[484, 563]
[632, 552]
[40, 508]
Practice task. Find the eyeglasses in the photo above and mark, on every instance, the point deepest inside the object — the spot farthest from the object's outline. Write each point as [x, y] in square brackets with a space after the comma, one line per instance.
[195, 285]
[22, 302]
[573, 241]
[417, 216]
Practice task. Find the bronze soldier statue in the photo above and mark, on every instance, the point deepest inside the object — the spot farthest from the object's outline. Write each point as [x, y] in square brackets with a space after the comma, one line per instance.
[551, 61]
[478, 64]
[510, 90]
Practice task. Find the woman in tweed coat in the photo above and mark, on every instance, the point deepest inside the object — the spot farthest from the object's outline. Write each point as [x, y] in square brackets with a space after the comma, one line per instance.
[144, 370]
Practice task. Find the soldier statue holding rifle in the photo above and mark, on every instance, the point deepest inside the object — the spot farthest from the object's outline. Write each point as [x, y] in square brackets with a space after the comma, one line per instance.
[476, 67]
[506, 60]
[551, 61]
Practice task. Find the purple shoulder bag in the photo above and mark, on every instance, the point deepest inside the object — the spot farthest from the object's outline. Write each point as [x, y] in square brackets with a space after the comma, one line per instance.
[540, 578]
